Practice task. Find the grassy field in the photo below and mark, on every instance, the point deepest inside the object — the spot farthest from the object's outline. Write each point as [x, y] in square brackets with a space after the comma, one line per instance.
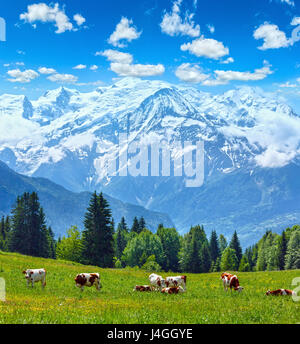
[205, 301]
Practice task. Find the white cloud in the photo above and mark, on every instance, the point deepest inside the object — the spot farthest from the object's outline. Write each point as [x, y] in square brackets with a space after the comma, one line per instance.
[20, 64]
[289, 2]
[295, 21]
[137, 70]
[22, 77]
[211, 28]
[46, 71]
[258, 74]
[6, 64]
[94, 67]
[190, 73]
[80, 67]
[123, 32]
[51, 14]
[227, 61]
[116, 56]
[63, 78]
[273, 158]
[21, 52]
[206, 47]
[173, 25]
[288, 85]
[272, 36]
[298, 80]
[47, 14]
[79, 19]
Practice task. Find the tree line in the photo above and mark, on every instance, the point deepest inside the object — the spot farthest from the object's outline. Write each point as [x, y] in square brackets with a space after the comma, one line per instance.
[104, 244]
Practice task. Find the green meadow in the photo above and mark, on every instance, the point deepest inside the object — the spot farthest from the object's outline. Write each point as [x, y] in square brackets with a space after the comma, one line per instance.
[205, 301]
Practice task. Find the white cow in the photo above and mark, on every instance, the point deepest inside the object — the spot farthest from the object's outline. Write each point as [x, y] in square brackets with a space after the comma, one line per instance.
[157, 281]
[35, 275]
[176, 281]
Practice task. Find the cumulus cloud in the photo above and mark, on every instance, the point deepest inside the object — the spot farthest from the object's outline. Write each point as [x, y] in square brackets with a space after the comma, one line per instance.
[80, 67]
[124, 31]
[94, 67]
[190, 73]
[258, 74]
[63, 78]
[289, 2]
[206, 47]
[173, 24]
[50, 14]
[47, 71]
[23, 77]
[272, 36]
[79, 19]
[137, 70]
[116, 56]
[227, 61]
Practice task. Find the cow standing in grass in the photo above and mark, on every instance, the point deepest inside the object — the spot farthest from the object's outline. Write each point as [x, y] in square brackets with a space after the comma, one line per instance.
[157, 281]
[176, 281]
[88, 280]
[280, 292]
[35, 275]
[231, 281]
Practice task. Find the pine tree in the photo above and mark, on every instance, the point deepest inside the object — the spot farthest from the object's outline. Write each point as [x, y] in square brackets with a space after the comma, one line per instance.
[292, 260]
[29, 234]
[142, 224]
[282, 249]
[98, 246]
[205, 257]
[236, 246]
[214, 246]
[135, 226]
[229, 260]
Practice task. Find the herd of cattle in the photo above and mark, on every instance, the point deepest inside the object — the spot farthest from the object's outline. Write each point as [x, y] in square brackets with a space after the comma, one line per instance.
[169, 285]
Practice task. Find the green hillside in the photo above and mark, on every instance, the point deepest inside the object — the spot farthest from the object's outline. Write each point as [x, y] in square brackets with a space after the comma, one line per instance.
[205, 301]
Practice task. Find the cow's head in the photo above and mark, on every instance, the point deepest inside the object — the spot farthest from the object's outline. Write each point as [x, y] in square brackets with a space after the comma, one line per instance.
[27, 273]
[268, 292]
[163, 283]
[239, 289]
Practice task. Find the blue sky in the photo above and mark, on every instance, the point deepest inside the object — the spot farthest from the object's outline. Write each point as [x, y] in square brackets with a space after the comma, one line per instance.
[213, 45]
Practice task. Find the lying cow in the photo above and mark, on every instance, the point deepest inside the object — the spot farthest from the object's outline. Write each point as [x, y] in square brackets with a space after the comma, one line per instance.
[231, 281]
[35, 275]
[173, 290]
[157, 281]
[88, 280]
[280, 292]
[143, 288]
[176, 281]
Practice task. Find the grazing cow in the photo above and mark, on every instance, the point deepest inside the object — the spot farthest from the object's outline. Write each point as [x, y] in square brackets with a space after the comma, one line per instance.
[176, 281]
[35, 275]
[231, 281]
[157, 281]
[173, 290]
[280, 292]
[143, 288]
[88, 280]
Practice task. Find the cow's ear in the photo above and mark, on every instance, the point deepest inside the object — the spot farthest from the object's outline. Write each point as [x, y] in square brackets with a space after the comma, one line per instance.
[24, 272]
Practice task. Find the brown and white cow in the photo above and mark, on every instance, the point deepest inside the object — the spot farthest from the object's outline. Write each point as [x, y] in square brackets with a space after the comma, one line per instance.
[231, 281]
[35, 275]
[88, 280]
[143, 288]
[173, 290]
[157, 281]
[176, 281]
[280, 292]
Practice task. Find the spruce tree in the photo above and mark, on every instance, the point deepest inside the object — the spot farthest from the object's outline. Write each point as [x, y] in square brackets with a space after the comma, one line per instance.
[98, 246]
[214, 246]
[236, 246]
[142, 224]
[222, 243]
[282, 249]
[135, 226]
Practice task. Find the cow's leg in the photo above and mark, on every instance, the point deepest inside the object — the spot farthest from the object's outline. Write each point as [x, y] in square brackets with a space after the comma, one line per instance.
[27, 283]
[98, 285]
[32, 283]
[81, 288]
[44, 283]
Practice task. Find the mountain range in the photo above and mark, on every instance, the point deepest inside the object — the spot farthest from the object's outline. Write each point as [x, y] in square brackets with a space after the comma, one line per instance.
[251, 150]
[64, 208]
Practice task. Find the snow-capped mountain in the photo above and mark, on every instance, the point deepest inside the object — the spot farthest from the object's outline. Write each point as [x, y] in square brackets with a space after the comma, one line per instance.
[249, 136]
